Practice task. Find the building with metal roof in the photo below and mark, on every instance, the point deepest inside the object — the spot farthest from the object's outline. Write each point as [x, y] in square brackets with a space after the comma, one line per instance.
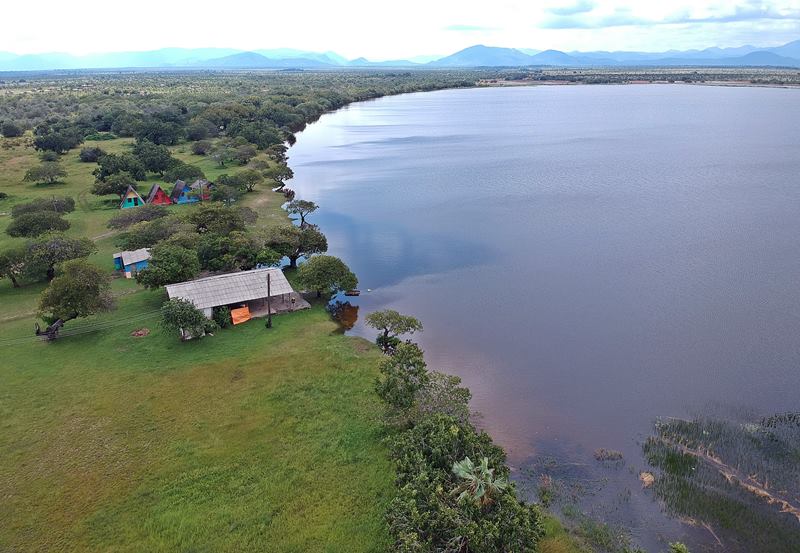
[131, 262]
[239, 290]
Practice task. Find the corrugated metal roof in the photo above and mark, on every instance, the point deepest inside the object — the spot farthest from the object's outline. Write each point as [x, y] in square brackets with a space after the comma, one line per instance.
[231, 288]
[134, 256]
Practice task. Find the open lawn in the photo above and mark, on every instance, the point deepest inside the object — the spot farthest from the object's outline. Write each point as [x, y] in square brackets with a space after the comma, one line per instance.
[253, 439]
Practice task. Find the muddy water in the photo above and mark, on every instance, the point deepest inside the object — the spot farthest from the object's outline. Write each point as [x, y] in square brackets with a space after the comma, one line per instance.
[586, 258]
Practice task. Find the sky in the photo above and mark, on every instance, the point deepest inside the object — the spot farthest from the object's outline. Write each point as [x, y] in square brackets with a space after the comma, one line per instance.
[395, 30]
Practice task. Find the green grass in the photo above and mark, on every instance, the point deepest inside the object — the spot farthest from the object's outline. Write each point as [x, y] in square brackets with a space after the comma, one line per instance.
[558, 539]
[251, 439]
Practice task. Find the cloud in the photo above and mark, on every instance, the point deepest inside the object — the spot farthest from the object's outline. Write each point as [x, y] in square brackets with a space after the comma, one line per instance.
[469, 28]
[749, 10]
[580, 6]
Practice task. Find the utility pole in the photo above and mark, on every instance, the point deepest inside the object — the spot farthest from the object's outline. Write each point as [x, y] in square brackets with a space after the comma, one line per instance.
[269, 302]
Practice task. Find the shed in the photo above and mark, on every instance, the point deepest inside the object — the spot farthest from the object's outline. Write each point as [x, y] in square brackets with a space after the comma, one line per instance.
[131, 198]
[131, 262]
[242, 289]
[157, 196]
[182, 194]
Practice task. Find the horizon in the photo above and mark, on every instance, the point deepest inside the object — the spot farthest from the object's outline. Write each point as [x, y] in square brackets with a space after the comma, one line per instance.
[355, 30]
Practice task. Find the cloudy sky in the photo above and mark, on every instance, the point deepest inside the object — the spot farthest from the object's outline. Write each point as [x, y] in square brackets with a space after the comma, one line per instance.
[382, 30]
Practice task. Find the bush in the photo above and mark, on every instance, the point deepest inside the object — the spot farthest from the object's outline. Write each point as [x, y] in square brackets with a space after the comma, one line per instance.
[222, 316]
[127, 217]
[202, 147]
[95, 136]
[183, 317]
[179, 170]
[91, 154]
[56, 204]
[9, 129]
[48, 156]
[36, 223]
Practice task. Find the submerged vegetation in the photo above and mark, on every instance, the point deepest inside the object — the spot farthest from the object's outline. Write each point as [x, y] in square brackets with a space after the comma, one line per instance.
[739, 480]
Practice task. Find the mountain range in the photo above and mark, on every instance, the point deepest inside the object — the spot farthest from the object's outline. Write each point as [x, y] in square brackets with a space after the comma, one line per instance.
[787, 55]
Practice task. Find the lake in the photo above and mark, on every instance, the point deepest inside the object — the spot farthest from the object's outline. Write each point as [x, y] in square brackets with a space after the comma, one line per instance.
[586, 258]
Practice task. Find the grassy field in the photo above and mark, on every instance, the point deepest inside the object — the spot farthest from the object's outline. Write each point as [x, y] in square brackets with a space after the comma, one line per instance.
[247, 440]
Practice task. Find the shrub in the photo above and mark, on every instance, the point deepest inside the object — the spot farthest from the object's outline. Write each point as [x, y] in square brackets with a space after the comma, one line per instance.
[202, 147]
[36, 223]
[127, 217]
[48, 156]
[91, 154]
[95, 136]
[183, 317]
[56, 204]
[9, 129]
[179, 170]
[222, 316]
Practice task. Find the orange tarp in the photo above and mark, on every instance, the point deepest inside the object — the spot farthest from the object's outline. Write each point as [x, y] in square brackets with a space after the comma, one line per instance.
[240, 315]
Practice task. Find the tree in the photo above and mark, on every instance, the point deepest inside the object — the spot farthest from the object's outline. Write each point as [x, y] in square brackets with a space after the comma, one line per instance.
[392, 324]
[303, 208]
[217, 219]
[480, 484]
[158, 132]
[233, 251]
[183, 317]
[48, 172]
[178, 170]
[223, 152]
[36, 223]
[91, 154]
[116, 184]
[402, 376]
[279, 174]
[442, 393]
[245, 153]
[12, 264]
[80, 289]
[294, 242]
[169, 264]
[228, 195]
[9, 129]
[60, 141]
[202, 147]
[47, 251]
[326, 273]
[250, 178]
[112, 164]
[155, 158]
[148, 233]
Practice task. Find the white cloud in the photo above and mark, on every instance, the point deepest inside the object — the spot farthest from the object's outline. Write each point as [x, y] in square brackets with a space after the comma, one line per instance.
[399, 30]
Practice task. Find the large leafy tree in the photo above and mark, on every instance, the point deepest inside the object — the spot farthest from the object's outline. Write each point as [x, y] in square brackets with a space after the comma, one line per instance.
[46, 252]
[303, 208]
[169, 263]
[80, 289]
[294, 242]
[217, 219]
[111, 164]
[181, 316]
[47, 172]
[116, 184]
[326, 273]
[392, 324]
[279, 174]
[148, 233]
[156, 158]
[12, 264]
[179, 170]
[36, 223]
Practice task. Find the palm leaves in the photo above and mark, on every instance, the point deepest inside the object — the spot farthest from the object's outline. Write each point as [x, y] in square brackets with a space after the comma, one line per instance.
[480, 484]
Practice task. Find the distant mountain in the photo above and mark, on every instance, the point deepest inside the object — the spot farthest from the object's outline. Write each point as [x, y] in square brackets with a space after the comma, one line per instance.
[253, 60]
[787, 55]
[484, 56]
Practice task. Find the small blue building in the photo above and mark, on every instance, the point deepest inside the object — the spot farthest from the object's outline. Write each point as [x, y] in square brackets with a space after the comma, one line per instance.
[131, 262]
[183, 194]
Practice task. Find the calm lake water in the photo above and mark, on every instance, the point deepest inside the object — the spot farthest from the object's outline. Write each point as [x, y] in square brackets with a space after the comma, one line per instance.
[586, 258]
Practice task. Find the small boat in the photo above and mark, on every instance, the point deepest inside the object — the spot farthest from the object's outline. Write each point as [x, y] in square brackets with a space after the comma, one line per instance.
[353, 293]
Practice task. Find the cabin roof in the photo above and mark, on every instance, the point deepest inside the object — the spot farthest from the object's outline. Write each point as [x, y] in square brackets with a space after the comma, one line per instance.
[231, 288]
[177, 190]
[128, 192]
[153, 191]
[133, 256]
